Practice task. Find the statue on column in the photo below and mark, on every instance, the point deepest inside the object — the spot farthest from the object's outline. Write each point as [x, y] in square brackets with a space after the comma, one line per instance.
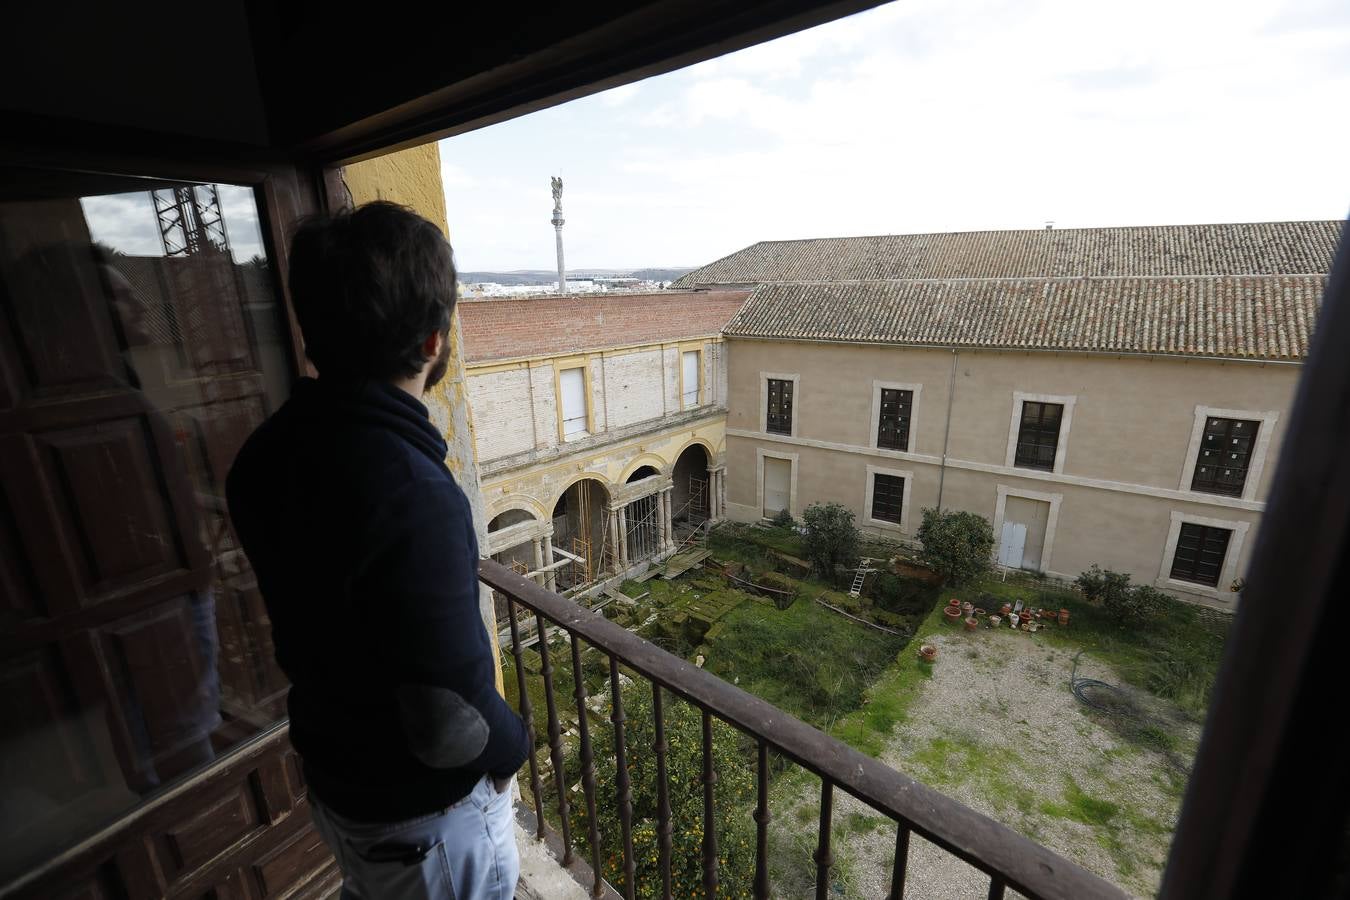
[556, 183]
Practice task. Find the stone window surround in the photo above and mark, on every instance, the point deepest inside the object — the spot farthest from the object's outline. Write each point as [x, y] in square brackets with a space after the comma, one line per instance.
[764, 402]
[916, 390]
[760, 454]
[1065, 423]
[869, 489]
[1267, 419]
[1230, 560]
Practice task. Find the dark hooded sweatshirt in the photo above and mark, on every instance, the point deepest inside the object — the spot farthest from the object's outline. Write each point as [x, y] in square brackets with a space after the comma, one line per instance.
[366, 558]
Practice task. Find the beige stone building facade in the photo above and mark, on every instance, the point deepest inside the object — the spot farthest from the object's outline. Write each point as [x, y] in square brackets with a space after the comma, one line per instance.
[1109, 396]
[599, 423]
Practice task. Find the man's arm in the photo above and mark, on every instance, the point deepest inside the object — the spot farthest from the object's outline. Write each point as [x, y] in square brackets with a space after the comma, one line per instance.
[421, 589]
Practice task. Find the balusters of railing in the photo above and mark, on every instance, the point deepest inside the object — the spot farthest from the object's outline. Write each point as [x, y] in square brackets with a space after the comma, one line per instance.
[587, 767]
[822, 856]
[664, 838]
[996, 887]
[709, 821]
[625, 793]
[554, 738]
[900, 863]
[526, 713]
[762, 818]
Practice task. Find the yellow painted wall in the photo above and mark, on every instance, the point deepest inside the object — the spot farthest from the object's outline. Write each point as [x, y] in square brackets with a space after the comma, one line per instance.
[412, 178]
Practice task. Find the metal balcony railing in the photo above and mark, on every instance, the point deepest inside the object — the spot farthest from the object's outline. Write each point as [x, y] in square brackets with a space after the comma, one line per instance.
[1009, 859]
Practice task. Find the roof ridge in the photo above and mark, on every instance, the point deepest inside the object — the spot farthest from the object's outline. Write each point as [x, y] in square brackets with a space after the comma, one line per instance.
[863, 237]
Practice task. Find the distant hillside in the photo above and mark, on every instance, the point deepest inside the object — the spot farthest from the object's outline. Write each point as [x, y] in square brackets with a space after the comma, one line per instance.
[540, 276]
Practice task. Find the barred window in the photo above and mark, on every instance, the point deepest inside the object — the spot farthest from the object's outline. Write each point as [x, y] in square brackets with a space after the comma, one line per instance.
[888, 498]
[1224, 457]
[893, 421]
[779, 419]
[1038, 436]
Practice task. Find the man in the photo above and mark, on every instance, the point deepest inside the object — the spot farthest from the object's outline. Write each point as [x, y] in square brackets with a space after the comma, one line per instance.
[365, 554]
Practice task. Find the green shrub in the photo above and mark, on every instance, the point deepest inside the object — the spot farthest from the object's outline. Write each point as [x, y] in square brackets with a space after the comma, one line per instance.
[956, 545]
[831, 539]
[1126, 605]
[783, 519]
[733, 798]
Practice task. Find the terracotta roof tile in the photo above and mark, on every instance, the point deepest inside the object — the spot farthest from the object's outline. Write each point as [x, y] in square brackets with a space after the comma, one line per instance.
[1244, 316]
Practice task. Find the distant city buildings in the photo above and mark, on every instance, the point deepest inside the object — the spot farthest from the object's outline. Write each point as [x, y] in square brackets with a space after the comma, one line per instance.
[617, 284]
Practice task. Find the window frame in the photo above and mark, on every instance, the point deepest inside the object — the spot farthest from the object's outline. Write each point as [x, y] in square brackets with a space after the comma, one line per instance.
[793, 426]
[698, 370]
[874, 435]
[566, 365]
[869, 495]
[1267, 420]
[1228, 571]
[1068, 401]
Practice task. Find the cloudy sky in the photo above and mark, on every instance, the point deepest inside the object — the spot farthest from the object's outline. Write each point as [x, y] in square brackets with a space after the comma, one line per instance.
[930, 115]
[127, 222]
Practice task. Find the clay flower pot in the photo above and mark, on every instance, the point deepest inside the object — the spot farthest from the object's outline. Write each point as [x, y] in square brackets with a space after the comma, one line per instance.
[1064, 617]
[1013, 619]
[968, 608]
[928, 653]
[972, 623]
[1005, 609]
[954, 602]
[953, 613]
[995, 621]
[979, 613]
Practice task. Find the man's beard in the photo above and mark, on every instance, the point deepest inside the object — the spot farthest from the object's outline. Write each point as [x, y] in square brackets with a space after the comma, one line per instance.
[439, 367]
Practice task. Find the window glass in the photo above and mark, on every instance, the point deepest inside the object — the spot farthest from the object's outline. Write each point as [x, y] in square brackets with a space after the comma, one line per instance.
[1038, 435]
[1224, 456]
[893, 419]
[779, 417]
[141, 341]
[690, 374]
[573, 402]
[888, 495]
[1200, 553]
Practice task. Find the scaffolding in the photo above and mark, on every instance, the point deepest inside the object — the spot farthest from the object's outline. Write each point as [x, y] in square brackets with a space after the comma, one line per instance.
[643, 516]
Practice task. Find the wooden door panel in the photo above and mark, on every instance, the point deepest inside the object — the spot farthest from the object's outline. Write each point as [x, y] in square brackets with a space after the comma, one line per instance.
[220, 824]
[112, 504]
[20, 598]
[218, 431]
[294, 862]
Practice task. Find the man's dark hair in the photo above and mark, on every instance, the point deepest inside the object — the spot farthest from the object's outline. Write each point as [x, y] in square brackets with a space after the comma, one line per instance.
[370, 285]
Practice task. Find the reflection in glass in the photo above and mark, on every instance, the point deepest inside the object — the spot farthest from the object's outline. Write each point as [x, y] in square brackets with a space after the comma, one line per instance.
[141, 341]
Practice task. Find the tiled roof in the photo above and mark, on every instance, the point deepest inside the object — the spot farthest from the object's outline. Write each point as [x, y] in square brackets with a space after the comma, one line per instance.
[1250, 317]
[510, 329]
[1267, 248]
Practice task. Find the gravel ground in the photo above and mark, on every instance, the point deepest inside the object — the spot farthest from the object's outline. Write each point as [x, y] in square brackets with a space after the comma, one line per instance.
[998, 729]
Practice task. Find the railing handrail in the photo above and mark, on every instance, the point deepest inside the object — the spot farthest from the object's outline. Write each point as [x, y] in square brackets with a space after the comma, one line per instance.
[987, 845]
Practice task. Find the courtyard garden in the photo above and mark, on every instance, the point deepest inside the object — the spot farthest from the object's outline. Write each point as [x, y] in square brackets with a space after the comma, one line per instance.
[1078, 735]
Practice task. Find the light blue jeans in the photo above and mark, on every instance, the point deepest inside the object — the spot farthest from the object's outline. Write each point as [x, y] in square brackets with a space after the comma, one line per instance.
[464, 852]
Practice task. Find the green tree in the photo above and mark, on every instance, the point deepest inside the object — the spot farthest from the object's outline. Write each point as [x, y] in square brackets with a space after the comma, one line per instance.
[831, 539]
[956, 545]
[733, 800]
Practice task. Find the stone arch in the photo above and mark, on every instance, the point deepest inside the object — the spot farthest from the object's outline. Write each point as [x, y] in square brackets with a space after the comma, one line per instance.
[702, 442]
[581, 521]
[513, 516]
[661, 466]
[508, 502]
[689, 475]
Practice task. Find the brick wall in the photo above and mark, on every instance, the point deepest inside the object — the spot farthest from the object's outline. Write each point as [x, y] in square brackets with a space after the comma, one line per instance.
[540, 326]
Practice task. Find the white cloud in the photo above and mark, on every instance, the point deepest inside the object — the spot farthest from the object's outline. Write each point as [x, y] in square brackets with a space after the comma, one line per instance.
[928, 115]
[620, 95]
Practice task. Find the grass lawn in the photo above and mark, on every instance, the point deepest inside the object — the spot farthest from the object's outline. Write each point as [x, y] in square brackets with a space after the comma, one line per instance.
[993, 723]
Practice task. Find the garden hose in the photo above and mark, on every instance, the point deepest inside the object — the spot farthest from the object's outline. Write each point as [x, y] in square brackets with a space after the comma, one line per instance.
[1077, 685]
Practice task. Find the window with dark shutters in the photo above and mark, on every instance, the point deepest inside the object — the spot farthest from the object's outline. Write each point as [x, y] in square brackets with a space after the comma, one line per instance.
[893, 421]
[779, 419]
[1225, 454]
[1038, 435]
[1200, 553]
[888, 498]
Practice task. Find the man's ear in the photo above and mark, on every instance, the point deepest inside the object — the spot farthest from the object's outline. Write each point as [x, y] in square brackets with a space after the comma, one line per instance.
[431, 347]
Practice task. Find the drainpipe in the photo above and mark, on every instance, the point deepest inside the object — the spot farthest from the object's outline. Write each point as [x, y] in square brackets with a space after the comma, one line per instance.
[947, 432]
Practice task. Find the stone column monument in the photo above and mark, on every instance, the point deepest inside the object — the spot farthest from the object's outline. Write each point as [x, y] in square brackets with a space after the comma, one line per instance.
[557, 231]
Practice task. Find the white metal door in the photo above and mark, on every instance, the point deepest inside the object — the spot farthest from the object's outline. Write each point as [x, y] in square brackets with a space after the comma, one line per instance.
[1012, 545]
[777, 486]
